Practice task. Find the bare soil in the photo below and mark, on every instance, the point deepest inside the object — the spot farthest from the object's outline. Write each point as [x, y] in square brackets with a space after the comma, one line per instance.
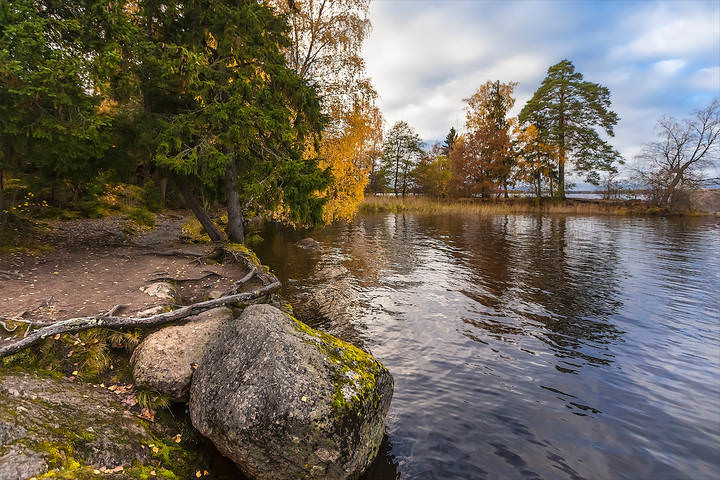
[94, 266]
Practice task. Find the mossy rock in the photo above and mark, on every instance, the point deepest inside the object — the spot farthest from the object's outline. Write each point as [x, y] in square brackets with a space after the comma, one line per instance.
[283, 400]
[62, 429]
[49, 426]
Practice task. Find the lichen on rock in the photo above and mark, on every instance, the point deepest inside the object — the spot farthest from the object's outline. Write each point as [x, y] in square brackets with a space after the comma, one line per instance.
[46, 424]
[283, 400]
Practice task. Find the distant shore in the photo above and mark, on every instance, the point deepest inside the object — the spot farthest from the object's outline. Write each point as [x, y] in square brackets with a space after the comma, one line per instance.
[572, 206]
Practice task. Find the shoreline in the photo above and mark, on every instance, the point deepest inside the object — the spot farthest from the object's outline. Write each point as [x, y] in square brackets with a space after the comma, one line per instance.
[547, 206]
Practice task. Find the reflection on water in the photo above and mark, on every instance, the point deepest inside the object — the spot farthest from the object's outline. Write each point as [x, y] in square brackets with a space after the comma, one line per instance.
[534, 347]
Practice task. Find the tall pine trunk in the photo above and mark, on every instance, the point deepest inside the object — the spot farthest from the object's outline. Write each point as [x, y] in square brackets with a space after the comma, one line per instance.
[561, 175]
[236, 230]
[2, 191]
[192, 202]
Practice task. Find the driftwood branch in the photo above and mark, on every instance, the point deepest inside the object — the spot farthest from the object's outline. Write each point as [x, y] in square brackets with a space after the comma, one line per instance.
[74, 325]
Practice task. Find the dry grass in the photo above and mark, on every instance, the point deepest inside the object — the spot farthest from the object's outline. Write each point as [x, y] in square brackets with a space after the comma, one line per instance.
[419, 204]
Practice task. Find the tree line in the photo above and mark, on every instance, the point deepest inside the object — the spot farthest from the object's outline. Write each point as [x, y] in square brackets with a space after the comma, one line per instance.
[567, 122]
[265, 108]
[258, 107]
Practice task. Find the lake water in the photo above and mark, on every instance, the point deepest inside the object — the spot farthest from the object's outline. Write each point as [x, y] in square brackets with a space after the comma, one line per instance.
[534, 347]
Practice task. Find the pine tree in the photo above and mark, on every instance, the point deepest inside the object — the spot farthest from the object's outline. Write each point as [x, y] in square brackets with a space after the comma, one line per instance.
[568, 111]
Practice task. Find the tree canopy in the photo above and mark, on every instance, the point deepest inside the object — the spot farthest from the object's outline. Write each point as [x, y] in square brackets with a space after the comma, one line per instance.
[568, 111]
[402, 150]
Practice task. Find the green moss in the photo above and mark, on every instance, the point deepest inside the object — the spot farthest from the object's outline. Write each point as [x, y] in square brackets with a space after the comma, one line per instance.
[194, 232]
[241, 249]
[144, 472]
[142, 216]
[354, 371]
[61, 461]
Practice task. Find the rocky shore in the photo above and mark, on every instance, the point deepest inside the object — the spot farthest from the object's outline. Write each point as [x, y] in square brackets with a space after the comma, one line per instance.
[277, 398]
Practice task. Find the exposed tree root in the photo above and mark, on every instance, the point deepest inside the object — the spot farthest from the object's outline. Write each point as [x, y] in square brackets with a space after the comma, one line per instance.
[181, 280]
[176, 253]
[74, 325]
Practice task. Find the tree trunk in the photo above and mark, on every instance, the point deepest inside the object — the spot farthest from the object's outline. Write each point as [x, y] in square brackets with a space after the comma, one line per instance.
[163, 190]
[561, 174]
[3, 215]
[234, 209]
[2, 191]
[397, 168]
[192, 202]
[505, 189]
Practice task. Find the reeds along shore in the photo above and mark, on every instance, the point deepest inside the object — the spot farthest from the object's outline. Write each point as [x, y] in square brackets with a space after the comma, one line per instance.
[429, 205]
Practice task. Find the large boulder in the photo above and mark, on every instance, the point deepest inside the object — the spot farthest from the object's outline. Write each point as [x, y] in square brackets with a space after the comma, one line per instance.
[76, 428]
[165, 360]
[285, 401]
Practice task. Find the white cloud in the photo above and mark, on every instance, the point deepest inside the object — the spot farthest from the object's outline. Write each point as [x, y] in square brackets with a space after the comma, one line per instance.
[425, 57]
[665, 31]
[669, 67]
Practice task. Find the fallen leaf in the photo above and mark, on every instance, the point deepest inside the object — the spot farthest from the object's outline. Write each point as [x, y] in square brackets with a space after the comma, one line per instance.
[198, 474]
[75, 372]
[155, 449]
[178, 437]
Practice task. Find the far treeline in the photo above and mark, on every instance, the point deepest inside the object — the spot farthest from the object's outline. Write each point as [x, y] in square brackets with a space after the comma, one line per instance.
[567, 123]
[264, 108]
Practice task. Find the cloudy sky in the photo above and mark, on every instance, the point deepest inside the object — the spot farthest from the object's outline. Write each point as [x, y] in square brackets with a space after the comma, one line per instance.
[657, 58]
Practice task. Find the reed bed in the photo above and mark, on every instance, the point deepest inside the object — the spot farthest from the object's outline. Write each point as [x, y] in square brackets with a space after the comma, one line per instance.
[427, 205]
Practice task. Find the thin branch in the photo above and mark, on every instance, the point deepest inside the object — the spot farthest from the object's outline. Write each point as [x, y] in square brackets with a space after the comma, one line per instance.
[74, 325]
[239, 284]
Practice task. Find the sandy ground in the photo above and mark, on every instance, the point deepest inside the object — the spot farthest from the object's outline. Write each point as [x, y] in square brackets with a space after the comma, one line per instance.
[94, 266]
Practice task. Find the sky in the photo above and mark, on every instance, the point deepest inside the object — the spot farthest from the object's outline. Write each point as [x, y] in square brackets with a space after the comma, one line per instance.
[657, 58]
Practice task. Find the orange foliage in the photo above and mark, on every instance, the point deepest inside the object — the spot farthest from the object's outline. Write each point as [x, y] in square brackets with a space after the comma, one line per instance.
[349, 149]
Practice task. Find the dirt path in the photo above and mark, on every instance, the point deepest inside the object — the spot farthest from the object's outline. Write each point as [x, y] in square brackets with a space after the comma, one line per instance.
[94, 266]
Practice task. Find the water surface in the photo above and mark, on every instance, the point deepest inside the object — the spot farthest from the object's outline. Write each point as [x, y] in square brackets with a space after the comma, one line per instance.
[561, 347]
